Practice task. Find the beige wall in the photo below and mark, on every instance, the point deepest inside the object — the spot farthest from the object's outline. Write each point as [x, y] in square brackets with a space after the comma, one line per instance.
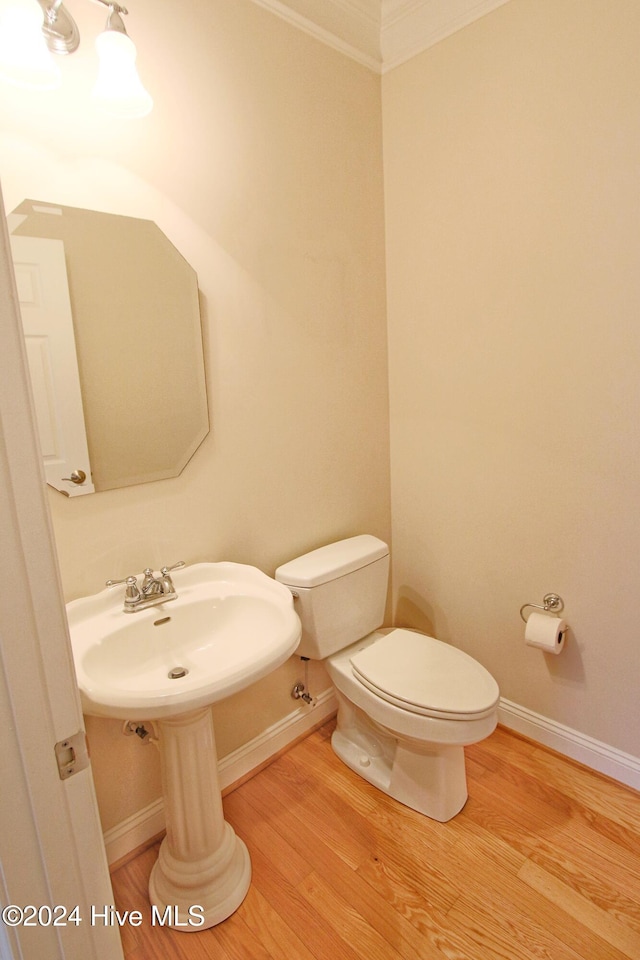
[511, 168]
[511, 155]
[253, 166]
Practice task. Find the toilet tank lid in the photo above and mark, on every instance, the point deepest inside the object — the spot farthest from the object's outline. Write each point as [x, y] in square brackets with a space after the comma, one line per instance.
[332, 561]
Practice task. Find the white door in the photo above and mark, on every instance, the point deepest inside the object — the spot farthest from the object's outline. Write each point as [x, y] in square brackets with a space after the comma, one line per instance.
[43, 291]
[51, 848]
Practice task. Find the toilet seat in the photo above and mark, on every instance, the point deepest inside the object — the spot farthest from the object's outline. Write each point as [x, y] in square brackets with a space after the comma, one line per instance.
[425, 676]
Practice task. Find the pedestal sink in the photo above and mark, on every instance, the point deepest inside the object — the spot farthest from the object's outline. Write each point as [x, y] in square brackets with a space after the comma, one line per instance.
[229, 626]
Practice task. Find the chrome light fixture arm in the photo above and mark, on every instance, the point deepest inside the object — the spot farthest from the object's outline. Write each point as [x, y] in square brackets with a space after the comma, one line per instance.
[60, 29]
[114, 20]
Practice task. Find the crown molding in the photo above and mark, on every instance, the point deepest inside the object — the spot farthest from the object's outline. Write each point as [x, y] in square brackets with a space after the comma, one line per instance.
[350, 26]
[380, 34]
[410, 26]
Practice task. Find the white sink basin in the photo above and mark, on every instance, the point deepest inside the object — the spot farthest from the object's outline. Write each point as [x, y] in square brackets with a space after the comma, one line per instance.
[229, 626]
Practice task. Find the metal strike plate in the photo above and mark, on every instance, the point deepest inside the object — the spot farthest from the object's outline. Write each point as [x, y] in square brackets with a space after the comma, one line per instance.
[72, 755]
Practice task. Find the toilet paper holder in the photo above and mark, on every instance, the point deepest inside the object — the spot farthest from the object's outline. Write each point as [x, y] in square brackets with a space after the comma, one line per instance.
[550, 602]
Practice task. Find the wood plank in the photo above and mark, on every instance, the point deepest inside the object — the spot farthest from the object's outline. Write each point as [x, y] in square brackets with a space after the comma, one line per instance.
[517, 937]
[337, 783]
[525, 768]
[508, 900]
[542, 862]
[270, 927]
[517, 785]
[588, 914]
[321, 940]
[237, 941]
[612, 889]
[622, 860]
[415, 931]
[590, 789]
[366, 902]
[342, 917]
[321, 810]
[259, 831]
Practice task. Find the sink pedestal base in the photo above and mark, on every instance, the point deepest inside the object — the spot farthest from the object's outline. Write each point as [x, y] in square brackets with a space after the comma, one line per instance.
[202, 867]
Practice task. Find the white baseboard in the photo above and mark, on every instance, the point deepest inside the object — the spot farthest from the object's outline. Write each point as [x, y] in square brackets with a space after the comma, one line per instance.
[252, 755]
[571, 743]
[142, 826]
[136, 830]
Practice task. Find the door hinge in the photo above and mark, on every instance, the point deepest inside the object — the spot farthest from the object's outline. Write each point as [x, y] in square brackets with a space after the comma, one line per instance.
[72, 755]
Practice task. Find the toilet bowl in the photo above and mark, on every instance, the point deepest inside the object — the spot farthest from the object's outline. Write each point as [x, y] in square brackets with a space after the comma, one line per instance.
[408, 704]
[405, 731]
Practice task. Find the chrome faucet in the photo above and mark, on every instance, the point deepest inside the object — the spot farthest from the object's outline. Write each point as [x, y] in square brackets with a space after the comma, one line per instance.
[153, 589]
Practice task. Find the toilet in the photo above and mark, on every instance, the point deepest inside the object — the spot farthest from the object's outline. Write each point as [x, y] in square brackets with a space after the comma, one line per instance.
[407, 704]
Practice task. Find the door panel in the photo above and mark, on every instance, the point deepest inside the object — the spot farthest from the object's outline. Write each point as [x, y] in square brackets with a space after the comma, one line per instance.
[41, 280]
[51, 846]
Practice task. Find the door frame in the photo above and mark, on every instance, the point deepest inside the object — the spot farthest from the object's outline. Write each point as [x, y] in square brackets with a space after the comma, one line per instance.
[51, 845]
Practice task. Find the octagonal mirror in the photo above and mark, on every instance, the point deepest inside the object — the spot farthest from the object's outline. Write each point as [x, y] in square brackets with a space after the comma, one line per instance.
[133, 308]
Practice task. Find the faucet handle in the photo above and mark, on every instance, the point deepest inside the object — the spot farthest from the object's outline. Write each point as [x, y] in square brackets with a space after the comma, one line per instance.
[132, 592]
[167, 583]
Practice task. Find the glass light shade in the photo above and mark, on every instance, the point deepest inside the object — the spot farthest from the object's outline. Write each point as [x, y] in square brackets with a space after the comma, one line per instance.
[118, 90]
[24, 58]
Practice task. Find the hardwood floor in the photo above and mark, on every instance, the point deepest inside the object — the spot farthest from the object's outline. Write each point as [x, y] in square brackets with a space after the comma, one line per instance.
[543, 862]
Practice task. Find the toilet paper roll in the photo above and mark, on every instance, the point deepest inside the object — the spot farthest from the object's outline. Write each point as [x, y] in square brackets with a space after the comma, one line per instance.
[545, 632]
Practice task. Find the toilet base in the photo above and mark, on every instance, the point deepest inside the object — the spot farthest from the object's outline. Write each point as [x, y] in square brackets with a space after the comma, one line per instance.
[427, 777]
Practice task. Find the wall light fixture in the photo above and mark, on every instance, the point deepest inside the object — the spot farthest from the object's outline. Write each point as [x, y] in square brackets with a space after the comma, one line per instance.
[31, 30]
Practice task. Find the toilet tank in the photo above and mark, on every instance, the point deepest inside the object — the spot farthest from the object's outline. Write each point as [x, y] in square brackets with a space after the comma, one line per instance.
[340, 593]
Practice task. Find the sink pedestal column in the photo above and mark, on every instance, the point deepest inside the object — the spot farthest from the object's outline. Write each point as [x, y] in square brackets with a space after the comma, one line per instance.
[202, 863]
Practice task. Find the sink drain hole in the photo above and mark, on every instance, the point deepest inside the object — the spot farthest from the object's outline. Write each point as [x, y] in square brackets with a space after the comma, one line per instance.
[177, 672]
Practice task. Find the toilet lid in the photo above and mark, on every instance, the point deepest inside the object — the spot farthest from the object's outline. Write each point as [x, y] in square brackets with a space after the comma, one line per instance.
[426, 676]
